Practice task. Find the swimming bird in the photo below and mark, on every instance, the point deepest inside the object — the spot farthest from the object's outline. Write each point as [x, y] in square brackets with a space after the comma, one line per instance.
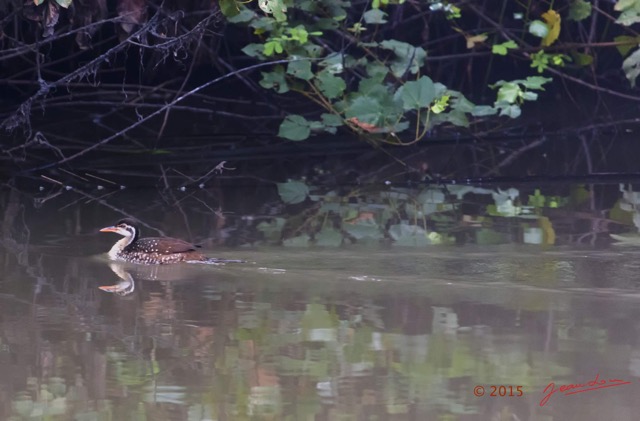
[153, 250]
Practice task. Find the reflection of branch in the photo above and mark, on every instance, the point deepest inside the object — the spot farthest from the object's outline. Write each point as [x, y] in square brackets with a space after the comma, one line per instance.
[118, 210]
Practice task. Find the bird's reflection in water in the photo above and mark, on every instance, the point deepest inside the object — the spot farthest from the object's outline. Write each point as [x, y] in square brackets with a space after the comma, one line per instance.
[130, 273]
[125, 286]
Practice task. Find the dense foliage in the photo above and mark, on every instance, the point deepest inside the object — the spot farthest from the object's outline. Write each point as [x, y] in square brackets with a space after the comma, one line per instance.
[393, 72]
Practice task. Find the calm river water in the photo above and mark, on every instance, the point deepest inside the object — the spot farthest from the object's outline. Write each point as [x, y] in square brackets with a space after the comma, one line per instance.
[346, 333]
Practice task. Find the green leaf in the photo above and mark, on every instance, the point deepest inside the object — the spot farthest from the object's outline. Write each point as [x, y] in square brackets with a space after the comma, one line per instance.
[300, 69]
[626, 44]
[375, 16]
[440, 104]
[512, 111]
[460, 103]
[331, 120]
[483, 111]
[272, 46]
[334, 63]
[631, 67]
[365, 109]
[331, 86]
[275, 80]
[407, 57]
[231, 9]
[417, 94]
[293, 192]
[64, 3]
[630, 12]
[535, 82]
[502, 49]
[538, 28]
[509, 92]
[295, 127]
[582, 59]
[455, 117]
[277, 8]
[579, 10]
[254, 50]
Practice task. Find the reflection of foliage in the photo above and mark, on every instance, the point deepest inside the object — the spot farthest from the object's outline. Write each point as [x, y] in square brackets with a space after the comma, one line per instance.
[411, 217]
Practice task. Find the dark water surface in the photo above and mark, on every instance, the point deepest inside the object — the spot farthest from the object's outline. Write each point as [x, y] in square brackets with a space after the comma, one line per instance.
[369, 333]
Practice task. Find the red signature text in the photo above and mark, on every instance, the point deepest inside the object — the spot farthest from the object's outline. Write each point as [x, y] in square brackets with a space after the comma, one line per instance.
[572, 389]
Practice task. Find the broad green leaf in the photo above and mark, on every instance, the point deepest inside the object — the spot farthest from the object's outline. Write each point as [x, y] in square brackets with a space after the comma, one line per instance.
[582, 59]
[277, 8]
[455, 117]
[579, 10]
[553, 20]
[375, 16]
[483, 111]
[630, 12]
[254, 50]
[334, 63]
[275, 80]
[331, 86]
[293, 192]
[502, 49]
[64, 3]
[512, 111]
[396, 128]
[509, 92]
[230, 9]
[535, 82]
[538, 28]
[376, 69]
[366, 86]
[626, 44]
[407, 57]
[365, 109]
[271, 47]
[417, 94]
[300, 69]
[331, 120]
[295, 127]
[263, 24]
[529, 96]
[631, 67]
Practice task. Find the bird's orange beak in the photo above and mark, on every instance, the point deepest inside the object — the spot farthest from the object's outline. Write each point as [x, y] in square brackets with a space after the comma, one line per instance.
[109, 229]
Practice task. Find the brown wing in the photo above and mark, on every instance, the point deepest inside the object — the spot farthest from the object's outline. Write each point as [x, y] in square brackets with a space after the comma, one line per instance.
[161, 245]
